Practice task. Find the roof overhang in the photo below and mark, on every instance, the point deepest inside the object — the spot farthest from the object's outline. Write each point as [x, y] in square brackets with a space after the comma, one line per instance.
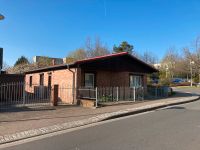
[115, 62]
[51, 68]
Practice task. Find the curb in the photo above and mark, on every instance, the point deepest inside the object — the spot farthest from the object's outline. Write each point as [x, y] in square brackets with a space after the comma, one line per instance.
[59, 127]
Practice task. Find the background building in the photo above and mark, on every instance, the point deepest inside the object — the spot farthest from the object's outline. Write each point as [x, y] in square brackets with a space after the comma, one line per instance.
[50, 60]
[1, 60]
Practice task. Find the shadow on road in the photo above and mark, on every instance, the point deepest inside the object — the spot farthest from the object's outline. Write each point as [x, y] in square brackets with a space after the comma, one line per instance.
[176, 107]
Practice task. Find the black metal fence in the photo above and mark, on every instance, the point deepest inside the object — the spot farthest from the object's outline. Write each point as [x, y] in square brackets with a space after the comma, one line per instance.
[154, 92]
[22, 94]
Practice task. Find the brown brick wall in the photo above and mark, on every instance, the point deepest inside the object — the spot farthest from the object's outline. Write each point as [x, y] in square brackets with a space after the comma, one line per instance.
[106, 78]
[145, 81]
[111, 79]
[69, 80]
[64, 78]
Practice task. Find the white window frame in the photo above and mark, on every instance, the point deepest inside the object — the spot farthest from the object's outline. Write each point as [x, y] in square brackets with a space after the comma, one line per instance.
[93, 78]
[137, 80]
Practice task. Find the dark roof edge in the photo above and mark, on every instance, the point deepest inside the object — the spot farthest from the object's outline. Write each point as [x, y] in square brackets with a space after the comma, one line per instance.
[50, 68]
[116, 55]
[73, 65]
[152, 67]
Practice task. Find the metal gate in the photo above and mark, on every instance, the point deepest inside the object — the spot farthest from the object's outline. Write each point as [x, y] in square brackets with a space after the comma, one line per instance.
[20, 94]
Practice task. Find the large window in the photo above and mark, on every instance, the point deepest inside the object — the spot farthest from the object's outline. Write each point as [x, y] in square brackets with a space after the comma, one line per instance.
[135, 81]
[89, 80]
[41, 79]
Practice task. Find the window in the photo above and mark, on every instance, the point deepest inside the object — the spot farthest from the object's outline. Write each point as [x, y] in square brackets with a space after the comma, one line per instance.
[49, 81]
[41, 79]
[89, 80]
[30, 81]
[135, 81]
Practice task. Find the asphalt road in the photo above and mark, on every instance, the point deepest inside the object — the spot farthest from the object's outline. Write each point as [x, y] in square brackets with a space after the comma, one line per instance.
[193, 90]
[173, 128]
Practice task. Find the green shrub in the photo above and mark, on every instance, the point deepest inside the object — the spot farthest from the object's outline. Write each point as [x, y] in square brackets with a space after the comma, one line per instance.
[164, 82]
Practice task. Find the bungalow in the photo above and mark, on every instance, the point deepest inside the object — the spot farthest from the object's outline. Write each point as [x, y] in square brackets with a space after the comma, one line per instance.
[114, 70]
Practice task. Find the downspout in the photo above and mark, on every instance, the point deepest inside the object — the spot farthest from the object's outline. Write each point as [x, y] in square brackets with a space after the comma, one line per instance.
[73, 83]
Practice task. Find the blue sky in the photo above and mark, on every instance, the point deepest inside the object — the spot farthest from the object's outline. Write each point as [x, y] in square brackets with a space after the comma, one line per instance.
[55, 27]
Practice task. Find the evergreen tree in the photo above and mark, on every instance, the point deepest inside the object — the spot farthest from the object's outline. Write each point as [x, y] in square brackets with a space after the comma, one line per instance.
[21, 61]
[123, 47]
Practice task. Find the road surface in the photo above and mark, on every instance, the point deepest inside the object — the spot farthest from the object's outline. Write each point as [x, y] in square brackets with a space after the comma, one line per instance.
[172, 128]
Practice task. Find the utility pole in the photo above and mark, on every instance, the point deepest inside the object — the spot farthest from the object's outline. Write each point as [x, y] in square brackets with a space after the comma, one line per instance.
[166, 70]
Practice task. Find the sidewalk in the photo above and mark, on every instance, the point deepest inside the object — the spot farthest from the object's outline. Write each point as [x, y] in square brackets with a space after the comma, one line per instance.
[14, 122]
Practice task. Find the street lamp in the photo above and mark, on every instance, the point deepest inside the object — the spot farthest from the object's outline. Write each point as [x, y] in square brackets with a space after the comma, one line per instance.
[1, 17]
[166, 70]
[191, 63]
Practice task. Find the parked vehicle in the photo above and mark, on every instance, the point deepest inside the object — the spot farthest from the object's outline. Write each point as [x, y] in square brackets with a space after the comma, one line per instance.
[177, 80]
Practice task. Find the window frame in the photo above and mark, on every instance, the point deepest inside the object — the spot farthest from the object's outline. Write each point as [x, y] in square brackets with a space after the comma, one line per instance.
[41, 80]
[141, 84]
[94, 78]
[30, 81]
[49, 80]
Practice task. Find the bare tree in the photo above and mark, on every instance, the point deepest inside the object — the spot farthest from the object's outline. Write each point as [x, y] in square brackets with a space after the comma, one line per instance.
[91, 49]
[170, 61]
[96, 48]
[181, 65]
[78, 54]
[193, 56]
[149, 58]
[21, 68]
[188, 56]
[197, 57]
[5, 66]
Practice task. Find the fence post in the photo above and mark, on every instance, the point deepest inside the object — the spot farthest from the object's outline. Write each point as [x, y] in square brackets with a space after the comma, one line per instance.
[24, 92]
[143, 93]
[117, 94]
[96, 102]
[134, 94]
[54, 95]
[156, 92]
